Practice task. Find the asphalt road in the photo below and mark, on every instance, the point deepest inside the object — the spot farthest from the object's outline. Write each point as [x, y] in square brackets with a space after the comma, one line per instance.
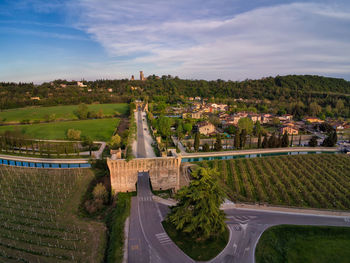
[148, 241]
[245, 227]
[141, 149]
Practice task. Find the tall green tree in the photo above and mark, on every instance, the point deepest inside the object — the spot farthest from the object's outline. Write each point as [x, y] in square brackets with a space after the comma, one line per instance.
[265, 142]
[206, 147]
[218, 143]
[257, 128]
[198, 209]
[314, 109]
[243, 138]
[331, 139]
[196, 141]
[180, 131]
[237, 140]
[164, 125]
[246, 124]
[313, 141]
[285, 140]
[187, 127]
[272, 142]
[82, 111]
[259, 140]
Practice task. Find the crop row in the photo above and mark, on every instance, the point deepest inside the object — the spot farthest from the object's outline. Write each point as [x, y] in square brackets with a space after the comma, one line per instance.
[33, 227]
[319, 181]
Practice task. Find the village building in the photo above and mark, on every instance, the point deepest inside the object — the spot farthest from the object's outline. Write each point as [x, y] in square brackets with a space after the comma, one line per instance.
[254, 117]
[205, 127]
[196, 115]
[81, 84]
[266, 118]
[290, 128]
[313, 120]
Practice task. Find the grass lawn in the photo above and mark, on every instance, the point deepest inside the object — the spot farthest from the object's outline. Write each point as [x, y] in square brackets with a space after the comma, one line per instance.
[115, 222]
[99, 129]
[198, 250]
[61, 112]
[304, 244]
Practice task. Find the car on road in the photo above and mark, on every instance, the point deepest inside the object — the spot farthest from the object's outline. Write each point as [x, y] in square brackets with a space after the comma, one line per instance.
[145, 129]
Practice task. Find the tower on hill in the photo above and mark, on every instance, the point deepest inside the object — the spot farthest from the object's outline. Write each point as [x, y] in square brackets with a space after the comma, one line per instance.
[142, 77]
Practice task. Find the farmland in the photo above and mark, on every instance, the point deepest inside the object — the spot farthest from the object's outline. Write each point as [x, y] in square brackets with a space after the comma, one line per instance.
[317, 181]
[38, 221]
[58, 112]
[304, 244]
[99, 129]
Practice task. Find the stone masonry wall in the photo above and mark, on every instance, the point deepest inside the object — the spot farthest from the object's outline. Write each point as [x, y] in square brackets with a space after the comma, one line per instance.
[164, 173]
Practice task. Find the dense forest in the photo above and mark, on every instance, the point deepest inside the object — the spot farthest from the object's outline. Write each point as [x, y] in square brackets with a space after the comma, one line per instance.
[281, 93]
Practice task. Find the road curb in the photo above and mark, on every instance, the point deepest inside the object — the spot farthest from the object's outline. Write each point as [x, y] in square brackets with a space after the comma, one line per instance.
[126, 240]
[288, 210]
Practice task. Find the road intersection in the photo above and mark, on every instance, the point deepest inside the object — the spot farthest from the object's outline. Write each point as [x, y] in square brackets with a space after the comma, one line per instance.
[148, 241]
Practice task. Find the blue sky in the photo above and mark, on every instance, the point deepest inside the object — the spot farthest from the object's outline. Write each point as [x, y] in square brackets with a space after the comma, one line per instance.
[42, 40]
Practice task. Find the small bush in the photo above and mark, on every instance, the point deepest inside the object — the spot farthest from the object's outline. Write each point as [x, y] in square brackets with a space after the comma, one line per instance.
[73, 134]
[100, 193]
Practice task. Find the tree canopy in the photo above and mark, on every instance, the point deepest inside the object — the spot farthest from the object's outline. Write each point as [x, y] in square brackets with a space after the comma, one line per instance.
[198, 210]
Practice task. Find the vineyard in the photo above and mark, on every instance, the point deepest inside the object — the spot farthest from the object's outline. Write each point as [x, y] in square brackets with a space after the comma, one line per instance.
[318, 181]
[38, 221]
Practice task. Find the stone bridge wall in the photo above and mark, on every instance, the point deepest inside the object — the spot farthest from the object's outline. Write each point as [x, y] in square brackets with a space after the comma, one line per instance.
[164, 173]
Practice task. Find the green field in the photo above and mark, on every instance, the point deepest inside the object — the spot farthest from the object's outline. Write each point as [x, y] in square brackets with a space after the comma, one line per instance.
[284, 244]
[313, 180]
[59, 112]
[38, 217]
[99, 129]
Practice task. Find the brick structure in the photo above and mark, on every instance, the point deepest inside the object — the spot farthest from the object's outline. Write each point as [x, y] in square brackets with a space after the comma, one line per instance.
[163, 171]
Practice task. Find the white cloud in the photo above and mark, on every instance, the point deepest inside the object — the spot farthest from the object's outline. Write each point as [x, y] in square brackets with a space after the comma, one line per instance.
[301, 38]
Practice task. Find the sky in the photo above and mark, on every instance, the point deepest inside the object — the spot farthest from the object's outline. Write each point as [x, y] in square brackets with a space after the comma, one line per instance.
[43, 40]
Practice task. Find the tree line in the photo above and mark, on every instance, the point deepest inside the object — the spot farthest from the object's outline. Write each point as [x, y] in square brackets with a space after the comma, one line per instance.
[296, 94]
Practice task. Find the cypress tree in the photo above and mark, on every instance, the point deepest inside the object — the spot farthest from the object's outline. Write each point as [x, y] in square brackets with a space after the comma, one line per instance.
[272, 141]
[313, 141]
[265, 142]
[243, 138]
[259, 140]
[196, 142]
[218, 144]
[237, 139]
[285, 140]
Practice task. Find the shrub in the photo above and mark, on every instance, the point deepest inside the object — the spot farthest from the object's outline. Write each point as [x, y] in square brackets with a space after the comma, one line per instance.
[115, 142]
[100, 193]
[73, 134]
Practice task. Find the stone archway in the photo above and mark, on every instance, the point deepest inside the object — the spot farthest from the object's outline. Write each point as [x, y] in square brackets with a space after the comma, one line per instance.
[164, 173]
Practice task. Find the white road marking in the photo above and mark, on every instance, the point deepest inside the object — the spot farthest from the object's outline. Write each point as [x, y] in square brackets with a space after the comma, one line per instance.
[163, 238]
[240, 219]
[347, 219]
[246, 250]
[234, 248]
[145, 198]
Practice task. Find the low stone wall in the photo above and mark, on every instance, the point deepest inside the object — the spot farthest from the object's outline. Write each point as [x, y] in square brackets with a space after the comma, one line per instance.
[230, 142]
